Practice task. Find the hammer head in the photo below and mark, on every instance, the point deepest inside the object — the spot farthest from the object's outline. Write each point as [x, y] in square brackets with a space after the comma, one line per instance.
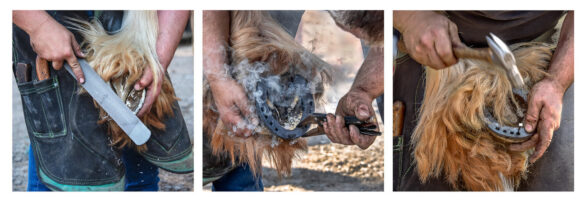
[502, 56]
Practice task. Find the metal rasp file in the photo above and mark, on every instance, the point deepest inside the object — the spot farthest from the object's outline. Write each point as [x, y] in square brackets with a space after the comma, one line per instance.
[112, 104]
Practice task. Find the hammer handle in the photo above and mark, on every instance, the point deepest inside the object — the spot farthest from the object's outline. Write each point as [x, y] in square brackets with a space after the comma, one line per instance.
[460, 52]
[23, 72]
[480, 54]
[398, 118]
[42, 67]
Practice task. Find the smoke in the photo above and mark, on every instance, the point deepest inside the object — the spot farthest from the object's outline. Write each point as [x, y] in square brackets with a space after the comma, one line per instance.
[341, 51]
[281, 93]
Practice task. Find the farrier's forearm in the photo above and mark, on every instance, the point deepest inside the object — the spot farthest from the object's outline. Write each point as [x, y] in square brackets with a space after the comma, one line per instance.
[29, 20]
[562, 64]
[400, 18]
[171, 26]
[370, 77]
[215, 40]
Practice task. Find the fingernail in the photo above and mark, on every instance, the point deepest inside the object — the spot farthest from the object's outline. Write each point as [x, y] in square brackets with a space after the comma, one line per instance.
[82, 80]
[363, 113]
[136, 86]
[528, 128]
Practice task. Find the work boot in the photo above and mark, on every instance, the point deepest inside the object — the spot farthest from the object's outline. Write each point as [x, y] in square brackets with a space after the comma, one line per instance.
[171, 149]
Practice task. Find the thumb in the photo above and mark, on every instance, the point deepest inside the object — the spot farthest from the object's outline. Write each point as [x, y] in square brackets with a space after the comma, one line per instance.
[145, 80]
[362, 112]
[532, 115]
[454, 35]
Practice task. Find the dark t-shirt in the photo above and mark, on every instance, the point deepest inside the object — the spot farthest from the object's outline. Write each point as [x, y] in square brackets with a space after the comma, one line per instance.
[510, 26]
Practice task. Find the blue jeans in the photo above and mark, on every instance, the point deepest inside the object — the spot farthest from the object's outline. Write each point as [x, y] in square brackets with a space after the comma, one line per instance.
[239, 179]
[141, 175]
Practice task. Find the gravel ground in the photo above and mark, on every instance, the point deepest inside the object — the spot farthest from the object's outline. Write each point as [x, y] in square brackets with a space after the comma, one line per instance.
[332, 167]
[181, 73]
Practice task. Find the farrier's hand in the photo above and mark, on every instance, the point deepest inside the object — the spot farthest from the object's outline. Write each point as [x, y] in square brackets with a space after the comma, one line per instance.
[232, 105]
[53, 42]
[543, 115]
[171, 26]
[152, 89]
[429, 37]
[355, 103]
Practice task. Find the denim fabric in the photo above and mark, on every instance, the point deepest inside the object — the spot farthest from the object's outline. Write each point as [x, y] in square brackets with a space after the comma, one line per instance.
[34, 183]
[141, 175]
[239, 179]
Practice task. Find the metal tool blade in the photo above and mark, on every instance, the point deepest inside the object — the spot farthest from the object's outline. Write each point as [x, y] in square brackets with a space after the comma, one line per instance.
[504, 56]
[112, 104]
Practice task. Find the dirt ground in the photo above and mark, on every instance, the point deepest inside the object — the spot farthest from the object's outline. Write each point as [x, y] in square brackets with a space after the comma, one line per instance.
[332, 167]
[181, 73]
[327, 166]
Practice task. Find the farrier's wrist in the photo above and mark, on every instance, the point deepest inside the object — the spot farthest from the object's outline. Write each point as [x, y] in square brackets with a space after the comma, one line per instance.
[212, 80]
[401, 18]
[369, 90]
[215, 75]
[361, 93]
[30, 21]
[220, 82]
[164, 57]
[560, 76]
[556, 84]
[407, 19]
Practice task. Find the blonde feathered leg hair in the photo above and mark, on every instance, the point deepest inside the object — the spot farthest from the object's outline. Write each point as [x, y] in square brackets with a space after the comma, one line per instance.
[257, 40]
[451, 139]
[120, 59]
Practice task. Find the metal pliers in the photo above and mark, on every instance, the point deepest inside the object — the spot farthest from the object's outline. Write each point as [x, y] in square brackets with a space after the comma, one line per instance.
[365, 127]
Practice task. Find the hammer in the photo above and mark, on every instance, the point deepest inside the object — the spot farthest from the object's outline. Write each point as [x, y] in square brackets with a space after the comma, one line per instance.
[498, 54]
[42, 68]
